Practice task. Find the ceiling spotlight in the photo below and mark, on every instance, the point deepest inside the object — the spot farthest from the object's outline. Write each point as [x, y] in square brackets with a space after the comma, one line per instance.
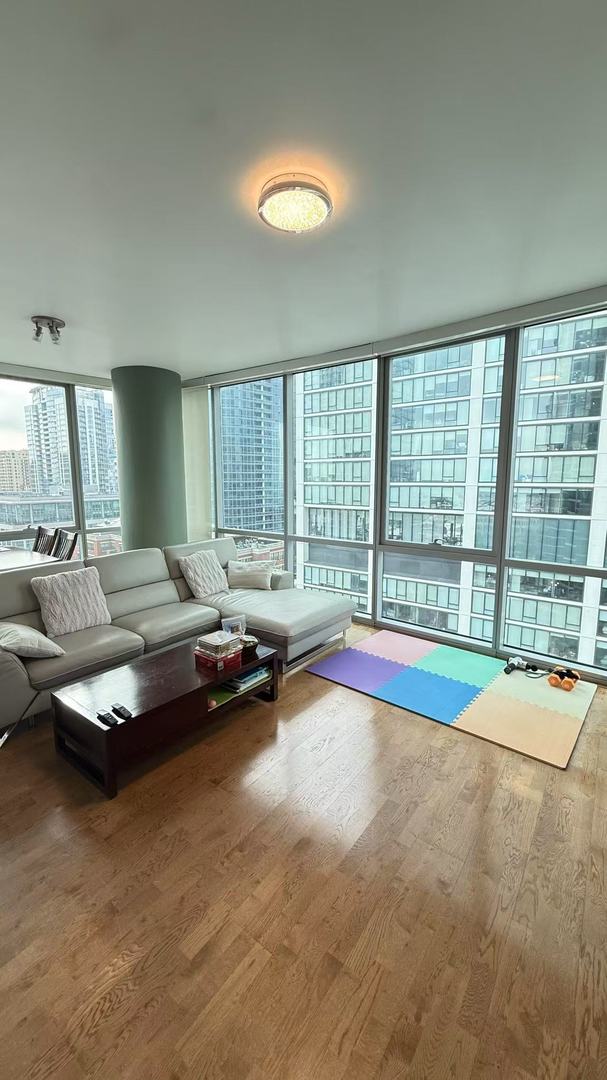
[52, 324]
[294, 202]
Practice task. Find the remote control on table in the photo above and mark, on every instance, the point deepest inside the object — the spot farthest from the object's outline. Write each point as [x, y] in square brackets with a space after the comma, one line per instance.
[121, 711]
[107, 718]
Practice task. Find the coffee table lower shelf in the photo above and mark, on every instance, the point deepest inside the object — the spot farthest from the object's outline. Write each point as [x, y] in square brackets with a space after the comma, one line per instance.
[168, 698]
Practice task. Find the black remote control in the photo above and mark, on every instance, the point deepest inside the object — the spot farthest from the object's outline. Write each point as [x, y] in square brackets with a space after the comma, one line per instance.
[121, 711]
[107, 718]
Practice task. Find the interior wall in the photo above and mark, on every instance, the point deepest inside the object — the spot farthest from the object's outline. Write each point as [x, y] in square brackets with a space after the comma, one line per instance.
[198, 464]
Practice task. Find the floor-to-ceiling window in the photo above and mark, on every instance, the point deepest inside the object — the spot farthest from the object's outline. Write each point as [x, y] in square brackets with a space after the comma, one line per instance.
[324, 530]
[488, 519]
[250, 479]
[36, 480]
[555, 597]
[58, 464]
[98, 470]
[331, 478]
[442, 441]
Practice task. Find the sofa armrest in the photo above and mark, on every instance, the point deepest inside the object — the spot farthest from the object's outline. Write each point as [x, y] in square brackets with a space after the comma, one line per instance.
[282, 579]
[16, 693]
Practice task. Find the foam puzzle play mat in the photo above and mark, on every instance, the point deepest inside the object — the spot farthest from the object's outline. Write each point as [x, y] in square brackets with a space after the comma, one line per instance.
[466, 690]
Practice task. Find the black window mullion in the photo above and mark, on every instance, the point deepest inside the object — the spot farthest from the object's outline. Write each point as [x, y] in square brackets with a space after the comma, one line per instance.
[505, 458]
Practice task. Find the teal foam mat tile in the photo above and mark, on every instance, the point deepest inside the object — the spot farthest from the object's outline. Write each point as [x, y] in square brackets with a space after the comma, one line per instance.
[466, 667]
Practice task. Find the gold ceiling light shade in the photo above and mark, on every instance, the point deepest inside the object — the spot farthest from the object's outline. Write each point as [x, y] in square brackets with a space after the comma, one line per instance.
[294, 203]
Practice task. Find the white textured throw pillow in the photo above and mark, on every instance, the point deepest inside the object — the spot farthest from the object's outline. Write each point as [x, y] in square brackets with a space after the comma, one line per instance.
[249, 575]
[71, 601]
[203, 573]
[26, 641]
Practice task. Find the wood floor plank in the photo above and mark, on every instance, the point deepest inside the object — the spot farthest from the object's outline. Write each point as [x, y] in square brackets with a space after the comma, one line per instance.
[326, 886]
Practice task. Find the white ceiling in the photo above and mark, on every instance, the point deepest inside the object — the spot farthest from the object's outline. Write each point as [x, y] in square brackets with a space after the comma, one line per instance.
[463, 141]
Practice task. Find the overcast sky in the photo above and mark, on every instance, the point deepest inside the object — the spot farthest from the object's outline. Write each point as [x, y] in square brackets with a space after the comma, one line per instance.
[13, 397]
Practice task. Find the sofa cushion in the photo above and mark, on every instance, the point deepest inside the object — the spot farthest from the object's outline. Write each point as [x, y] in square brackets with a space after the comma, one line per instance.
[134, 581]
[203, 573]
[249, 575]
[27, 641]
[18, 601]
[85, 651]
[71, 602]
[287, 614]
[172, 622]
[224, 548]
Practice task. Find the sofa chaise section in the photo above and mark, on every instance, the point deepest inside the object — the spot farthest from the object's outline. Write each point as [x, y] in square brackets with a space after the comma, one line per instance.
[293, 621]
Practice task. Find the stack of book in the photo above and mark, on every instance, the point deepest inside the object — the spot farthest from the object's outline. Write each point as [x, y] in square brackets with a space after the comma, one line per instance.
[218, 651]
[242, 682]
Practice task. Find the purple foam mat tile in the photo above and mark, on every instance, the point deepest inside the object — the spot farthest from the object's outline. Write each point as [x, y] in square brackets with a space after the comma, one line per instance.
[357, 669]
[402, 648]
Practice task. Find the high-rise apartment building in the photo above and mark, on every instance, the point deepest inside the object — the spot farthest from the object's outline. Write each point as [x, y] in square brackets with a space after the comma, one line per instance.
[559, 502]
[48, 440]
[97, 442]
[334, 447]
[442, 463]
[15, 472]
[251, 483]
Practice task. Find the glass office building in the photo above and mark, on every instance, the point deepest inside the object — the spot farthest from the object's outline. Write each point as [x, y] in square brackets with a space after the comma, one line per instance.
[250, 478]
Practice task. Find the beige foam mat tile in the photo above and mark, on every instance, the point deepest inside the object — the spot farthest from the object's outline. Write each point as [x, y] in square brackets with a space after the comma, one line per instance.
[520, 687]
[527, 728]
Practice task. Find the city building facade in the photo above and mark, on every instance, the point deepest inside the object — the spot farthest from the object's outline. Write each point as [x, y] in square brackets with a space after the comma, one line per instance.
[15, 471]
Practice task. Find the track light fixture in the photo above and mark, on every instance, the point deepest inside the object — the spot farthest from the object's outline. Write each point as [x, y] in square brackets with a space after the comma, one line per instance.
[52, 324]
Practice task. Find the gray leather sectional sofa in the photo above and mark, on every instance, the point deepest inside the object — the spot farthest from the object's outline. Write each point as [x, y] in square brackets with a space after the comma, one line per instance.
[152, 608]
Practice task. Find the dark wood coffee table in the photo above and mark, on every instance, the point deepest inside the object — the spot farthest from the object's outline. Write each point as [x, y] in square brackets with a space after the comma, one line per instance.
[168, 697]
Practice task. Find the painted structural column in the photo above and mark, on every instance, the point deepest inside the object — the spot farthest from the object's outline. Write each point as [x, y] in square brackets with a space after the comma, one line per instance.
[149, 435]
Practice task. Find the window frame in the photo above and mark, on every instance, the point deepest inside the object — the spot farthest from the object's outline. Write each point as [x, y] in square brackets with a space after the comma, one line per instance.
[78, 524]
[504, 452]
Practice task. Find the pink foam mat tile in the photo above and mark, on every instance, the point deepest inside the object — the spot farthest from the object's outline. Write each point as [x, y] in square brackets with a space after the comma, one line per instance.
[401, 648]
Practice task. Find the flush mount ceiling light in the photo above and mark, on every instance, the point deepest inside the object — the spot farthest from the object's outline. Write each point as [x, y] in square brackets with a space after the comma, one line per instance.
[294, 202]
[50, 323]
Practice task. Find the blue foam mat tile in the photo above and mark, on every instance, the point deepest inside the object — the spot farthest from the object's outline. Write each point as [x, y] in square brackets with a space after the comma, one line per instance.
[434, 696]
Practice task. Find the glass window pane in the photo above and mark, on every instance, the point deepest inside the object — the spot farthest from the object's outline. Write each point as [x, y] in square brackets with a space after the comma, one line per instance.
[99, 469]
[559, 498]
[335, 569]
[444, 426]
[333, 448]
[35, 468]
[103, 543]
[554, 614]
[257, 549]
[462, 604]
[250, 439]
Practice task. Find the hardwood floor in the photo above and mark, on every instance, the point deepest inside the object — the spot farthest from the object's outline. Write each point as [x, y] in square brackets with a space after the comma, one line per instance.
[322, 888]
